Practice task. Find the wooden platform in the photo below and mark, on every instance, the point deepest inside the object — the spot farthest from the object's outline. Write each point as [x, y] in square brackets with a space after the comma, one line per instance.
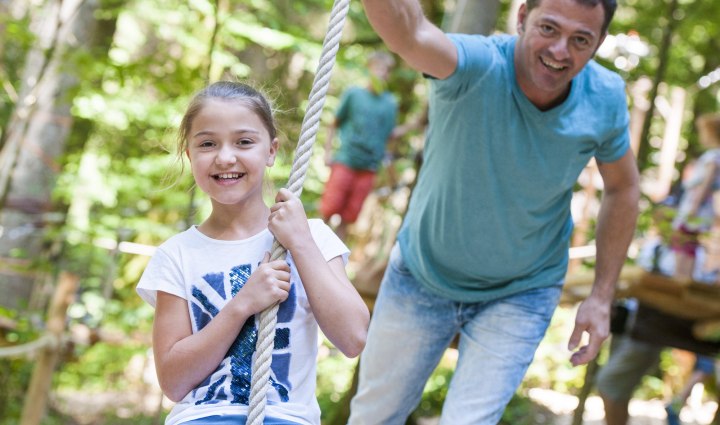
[698, 302]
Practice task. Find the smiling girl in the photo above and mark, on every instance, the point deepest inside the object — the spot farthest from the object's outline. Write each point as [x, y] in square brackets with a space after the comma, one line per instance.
[208, 282]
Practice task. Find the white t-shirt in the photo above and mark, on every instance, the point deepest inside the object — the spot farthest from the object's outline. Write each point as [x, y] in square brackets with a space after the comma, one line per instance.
[207, 273]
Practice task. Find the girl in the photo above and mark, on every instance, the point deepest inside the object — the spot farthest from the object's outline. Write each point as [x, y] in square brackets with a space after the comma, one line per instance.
[208, 282]
[695, 211]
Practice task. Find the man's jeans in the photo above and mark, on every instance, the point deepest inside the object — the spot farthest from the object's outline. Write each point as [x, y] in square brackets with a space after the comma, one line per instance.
[409, 332]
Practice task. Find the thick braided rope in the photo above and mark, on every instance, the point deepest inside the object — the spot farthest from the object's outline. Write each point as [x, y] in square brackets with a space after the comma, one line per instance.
[303, 152]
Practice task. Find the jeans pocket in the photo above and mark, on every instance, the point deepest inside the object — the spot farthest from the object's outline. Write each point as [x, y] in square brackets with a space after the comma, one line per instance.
[397, 263]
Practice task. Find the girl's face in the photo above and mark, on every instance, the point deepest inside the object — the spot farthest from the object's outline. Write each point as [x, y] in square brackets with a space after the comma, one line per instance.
[229, 148]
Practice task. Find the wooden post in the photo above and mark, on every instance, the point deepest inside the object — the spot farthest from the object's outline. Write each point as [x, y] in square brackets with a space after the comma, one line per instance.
[671, 142]
[590, 372]
[36, 398]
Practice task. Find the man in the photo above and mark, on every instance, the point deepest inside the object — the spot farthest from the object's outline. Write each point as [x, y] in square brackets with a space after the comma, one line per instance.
[366, 118]
[483, 248]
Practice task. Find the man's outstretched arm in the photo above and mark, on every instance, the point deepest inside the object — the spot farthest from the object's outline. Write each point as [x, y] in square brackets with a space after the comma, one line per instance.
[402, 25]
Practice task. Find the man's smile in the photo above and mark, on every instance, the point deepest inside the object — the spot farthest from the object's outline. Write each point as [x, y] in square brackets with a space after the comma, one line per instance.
[552, 65]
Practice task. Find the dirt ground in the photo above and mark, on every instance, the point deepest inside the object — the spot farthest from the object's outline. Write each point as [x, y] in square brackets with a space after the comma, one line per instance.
[553, 408]
[642, 412]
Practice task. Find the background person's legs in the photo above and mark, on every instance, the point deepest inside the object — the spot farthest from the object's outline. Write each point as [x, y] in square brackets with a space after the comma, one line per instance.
[336, 193]
[704, 368]
[363, 183]
[628, 362]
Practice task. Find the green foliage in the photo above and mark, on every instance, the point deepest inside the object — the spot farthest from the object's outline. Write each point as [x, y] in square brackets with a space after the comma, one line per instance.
[435, 391]
[14, 372]
[100, 367]
[519, 411]
[14, 378]
[120, 179]
[334, 377]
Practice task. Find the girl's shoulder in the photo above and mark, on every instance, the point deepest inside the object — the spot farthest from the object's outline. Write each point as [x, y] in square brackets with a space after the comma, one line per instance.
[329, 243]
[319, 229]
[179, 239]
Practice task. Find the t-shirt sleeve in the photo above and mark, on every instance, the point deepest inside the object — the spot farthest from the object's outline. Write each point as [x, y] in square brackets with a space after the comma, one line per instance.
[617, 140]
[476, 55]
[327, 241]
[161, 274]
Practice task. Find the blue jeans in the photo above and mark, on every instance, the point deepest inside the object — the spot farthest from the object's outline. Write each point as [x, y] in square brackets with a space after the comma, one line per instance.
[409, 332]
[233, 420]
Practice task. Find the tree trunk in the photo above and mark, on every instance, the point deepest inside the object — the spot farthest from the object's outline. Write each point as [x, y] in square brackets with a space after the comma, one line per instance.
[36, 138]
[663, 57]
[472, 17]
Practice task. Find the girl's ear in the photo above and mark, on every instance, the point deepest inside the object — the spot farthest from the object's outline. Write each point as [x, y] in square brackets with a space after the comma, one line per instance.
[187, 153]
[274, 144]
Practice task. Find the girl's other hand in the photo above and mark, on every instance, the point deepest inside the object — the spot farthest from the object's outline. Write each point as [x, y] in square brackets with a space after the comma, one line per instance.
[288, 222]
[268, 284]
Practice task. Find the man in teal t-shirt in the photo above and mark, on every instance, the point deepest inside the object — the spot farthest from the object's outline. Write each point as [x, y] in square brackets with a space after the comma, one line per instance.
[366, 118]
[483, 249]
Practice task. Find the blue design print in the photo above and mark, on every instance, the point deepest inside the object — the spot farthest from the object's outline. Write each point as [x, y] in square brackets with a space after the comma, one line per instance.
[282, 390]
[241, 351]
[217, 282]
[239, 275]
[211, 391]
[204, 302]
[201, 319]
[282, 338]
[281, 372]
[286, 310]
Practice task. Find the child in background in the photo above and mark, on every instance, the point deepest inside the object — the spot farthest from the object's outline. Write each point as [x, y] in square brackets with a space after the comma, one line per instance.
[695, 211]
[366, 118]
[697, 215]
[208, 282]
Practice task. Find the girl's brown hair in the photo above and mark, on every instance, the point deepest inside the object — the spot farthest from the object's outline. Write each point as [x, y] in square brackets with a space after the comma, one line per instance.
[226, 91]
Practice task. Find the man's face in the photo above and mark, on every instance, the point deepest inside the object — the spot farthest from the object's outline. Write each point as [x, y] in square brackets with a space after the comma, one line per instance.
[556, 40]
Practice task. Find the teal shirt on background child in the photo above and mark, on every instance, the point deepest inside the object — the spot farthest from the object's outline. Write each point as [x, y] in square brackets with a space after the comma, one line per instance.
[491, 217]
[366, 121]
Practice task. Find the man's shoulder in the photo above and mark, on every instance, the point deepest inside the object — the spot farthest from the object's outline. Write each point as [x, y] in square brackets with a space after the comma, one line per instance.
[602, 78]
[496, 41]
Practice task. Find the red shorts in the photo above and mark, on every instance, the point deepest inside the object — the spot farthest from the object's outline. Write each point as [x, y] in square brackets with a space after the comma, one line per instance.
[345, 192]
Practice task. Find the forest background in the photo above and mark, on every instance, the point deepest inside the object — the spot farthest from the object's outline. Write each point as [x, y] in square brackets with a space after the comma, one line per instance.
[91, 92]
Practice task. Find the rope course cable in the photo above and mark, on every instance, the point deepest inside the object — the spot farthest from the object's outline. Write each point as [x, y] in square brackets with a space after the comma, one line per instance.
[46, 340]
[303, 152]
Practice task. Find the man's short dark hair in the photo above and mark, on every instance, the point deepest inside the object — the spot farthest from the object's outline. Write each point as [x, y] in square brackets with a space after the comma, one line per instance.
[608, 6]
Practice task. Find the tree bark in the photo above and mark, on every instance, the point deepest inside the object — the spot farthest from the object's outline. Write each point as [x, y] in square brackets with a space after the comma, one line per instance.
[472, 17]
[36, 137]
[663, 57]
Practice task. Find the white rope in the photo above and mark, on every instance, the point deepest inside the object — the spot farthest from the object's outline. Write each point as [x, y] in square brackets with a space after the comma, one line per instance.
[268, 318]
[46, 340]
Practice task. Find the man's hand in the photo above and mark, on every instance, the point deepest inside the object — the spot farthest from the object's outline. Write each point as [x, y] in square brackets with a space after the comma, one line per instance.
[593, 317]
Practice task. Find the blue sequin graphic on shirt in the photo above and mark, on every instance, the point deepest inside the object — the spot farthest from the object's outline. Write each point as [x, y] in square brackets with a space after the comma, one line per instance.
[241, 351]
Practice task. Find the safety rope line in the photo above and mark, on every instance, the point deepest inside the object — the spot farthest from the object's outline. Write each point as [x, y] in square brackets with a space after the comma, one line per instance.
[46, 340]
[311, 122]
